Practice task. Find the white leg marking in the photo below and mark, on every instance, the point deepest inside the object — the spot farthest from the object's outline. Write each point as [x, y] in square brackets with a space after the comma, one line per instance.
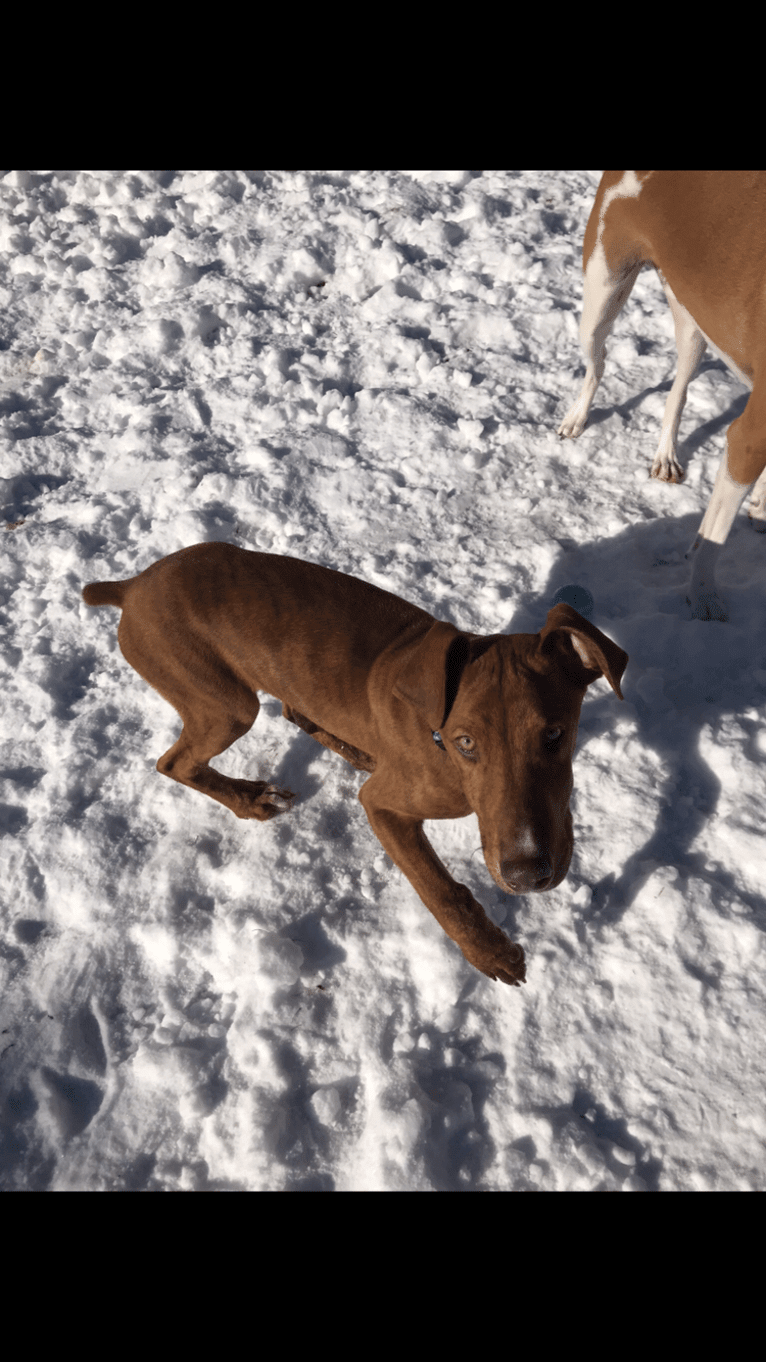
[757, 507]
[604, 296]
[718, 519]
[691, 347]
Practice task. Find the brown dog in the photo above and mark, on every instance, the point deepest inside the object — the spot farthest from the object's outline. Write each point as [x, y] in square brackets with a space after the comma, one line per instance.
[447, 722]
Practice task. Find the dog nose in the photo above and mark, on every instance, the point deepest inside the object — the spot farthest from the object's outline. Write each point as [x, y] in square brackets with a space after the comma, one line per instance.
[529, 875]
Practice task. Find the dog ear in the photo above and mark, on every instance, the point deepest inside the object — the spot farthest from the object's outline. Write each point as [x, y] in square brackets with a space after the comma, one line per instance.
[430, 675]
[595, 653]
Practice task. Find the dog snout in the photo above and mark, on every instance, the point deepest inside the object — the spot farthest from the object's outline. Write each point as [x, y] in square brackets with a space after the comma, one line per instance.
[527, 875]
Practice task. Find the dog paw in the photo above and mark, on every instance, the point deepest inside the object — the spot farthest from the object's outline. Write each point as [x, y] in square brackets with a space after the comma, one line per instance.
[504, 977]
[277, 799]
[667, 469]
[258, 799]
[572, 425]
[498, 958]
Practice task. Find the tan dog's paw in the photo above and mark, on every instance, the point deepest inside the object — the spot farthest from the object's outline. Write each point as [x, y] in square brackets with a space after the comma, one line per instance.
[667, 470]
[573, 423]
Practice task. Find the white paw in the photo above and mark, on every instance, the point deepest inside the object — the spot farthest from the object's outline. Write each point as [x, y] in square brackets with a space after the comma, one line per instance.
[573, 422]
[667, 468]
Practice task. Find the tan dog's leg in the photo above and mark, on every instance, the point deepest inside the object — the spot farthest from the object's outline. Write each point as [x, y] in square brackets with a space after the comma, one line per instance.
[691, 347]
[757, 508]
[741, 466]
[454, 907]
[605, 295]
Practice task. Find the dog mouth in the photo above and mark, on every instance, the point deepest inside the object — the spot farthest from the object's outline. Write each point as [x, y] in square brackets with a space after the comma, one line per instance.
[527, 875]
[533, 881]
[531, 861]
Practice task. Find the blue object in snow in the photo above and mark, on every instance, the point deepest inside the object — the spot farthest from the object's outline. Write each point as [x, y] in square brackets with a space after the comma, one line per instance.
[578, 597]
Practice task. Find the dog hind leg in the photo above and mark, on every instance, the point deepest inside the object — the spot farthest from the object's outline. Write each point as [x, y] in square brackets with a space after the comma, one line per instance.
[205, 734]
[216, 707]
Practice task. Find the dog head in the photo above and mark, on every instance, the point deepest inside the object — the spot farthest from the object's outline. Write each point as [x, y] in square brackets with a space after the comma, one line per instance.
[506, 710]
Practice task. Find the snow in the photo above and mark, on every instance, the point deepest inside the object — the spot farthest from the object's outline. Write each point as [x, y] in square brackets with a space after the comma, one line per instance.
[365, 369]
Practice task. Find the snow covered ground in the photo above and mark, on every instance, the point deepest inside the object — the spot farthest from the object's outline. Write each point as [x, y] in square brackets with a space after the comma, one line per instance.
[365, 369]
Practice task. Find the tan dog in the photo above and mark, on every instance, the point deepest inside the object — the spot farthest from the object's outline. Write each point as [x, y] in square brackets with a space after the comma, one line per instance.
[446, 722]
[705, 233]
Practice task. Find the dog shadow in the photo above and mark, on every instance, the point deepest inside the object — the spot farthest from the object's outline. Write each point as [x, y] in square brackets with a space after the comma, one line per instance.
[684, 677]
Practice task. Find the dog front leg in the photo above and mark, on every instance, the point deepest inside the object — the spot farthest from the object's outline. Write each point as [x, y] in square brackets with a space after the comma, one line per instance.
[454, 907]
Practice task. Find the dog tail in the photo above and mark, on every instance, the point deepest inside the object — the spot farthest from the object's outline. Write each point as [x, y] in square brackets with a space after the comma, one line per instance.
[104, 593]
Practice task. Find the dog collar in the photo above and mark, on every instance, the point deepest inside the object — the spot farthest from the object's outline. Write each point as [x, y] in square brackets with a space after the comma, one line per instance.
[437, 737]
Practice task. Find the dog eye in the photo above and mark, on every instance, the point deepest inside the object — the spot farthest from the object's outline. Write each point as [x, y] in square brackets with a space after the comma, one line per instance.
[465, 745]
